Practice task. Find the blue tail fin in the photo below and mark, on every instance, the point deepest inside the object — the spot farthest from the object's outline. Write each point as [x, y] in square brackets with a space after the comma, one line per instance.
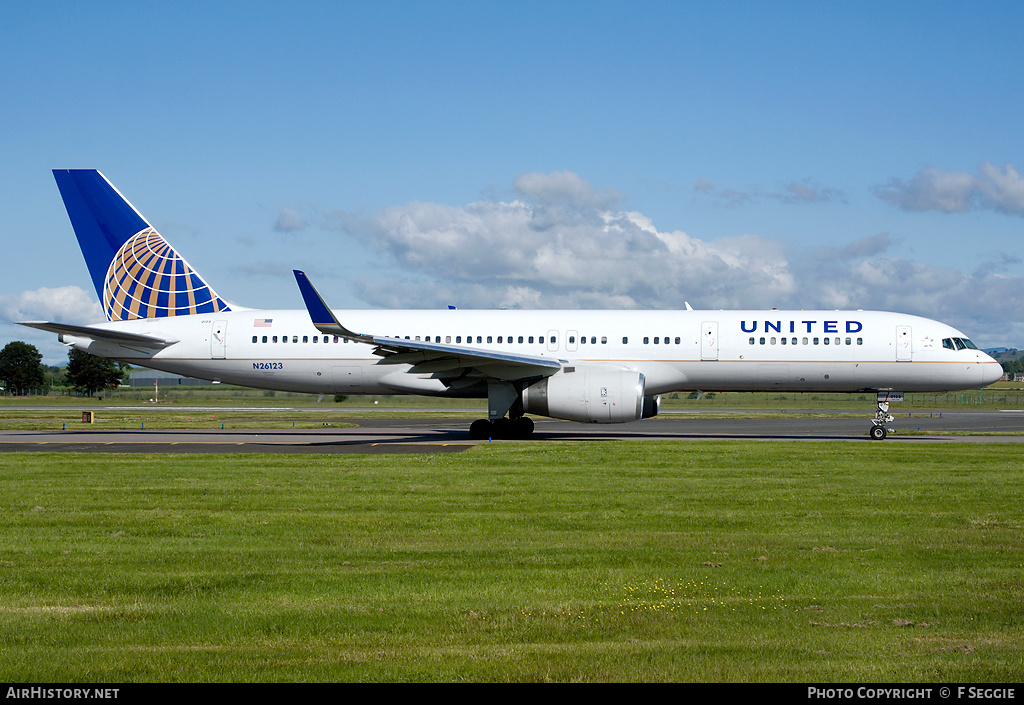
[137, 274]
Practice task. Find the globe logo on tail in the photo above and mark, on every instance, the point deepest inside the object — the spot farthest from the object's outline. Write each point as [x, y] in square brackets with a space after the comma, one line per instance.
[148, 279]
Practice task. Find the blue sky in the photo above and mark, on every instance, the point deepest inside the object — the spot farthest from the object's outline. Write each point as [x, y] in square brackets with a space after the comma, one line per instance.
[541, 155]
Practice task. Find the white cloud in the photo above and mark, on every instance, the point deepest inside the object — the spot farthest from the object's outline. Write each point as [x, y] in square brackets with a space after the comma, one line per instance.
[289, 220]
[1002, 188]
[795, 192]
[564, 186]
[67, 304]
[863, 247]
[563, 244]
[933, 189]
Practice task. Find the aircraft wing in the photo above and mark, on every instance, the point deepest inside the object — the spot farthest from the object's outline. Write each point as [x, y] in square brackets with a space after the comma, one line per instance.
[453, 364]
[101, 334]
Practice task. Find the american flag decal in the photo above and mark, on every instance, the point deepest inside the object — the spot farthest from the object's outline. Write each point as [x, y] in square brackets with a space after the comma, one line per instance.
[262, 322]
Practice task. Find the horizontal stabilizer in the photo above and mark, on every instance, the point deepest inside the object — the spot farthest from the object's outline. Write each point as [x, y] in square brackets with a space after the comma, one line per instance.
[100, 334]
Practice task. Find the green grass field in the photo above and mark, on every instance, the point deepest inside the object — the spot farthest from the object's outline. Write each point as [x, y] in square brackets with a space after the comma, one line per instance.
[608, 561]
[998, 395]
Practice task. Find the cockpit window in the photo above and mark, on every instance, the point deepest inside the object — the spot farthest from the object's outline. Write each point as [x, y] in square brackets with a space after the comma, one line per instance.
[958, 344]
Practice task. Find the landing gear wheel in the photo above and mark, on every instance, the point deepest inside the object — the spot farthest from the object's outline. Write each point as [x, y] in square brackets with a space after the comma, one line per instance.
[504, 429]
[522, 427]
[878, 433]
[480, 430]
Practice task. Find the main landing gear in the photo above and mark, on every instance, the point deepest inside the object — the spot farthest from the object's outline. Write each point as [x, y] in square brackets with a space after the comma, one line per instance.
[503, 428]
[502, 398]
[882, 417]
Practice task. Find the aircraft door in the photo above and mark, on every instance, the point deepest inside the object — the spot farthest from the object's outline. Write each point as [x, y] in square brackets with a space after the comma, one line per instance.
[709, 340]
[903, 344]
[571, 337]
[218, 340]
[553, 340]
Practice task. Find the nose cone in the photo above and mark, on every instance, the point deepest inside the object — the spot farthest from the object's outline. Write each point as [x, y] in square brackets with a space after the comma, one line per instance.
[991, 371]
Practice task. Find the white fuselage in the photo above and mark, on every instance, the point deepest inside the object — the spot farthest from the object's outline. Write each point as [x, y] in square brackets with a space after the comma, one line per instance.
[841, 351]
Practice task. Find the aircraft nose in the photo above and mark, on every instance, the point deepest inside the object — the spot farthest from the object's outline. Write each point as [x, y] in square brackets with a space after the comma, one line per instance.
[991, 371]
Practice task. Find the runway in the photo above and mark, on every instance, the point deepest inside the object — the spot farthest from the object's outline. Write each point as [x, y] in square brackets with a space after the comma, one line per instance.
[423, 434]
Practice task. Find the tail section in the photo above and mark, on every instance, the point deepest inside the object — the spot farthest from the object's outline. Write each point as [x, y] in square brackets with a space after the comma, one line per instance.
[137, 274]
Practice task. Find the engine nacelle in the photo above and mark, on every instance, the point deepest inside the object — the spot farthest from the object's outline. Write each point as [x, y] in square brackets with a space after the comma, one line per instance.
[590, 394]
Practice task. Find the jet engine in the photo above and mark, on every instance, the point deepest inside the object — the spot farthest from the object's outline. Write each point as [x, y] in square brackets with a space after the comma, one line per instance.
[591, 394]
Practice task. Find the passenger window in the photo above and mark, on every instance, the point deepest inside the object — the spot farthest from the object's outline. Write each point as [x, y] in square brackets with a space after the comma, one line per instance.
[604, 340]
[656, 340]
[677, 340]
[860, 341]
[254, 339]
[625, 340]
[751, 340]
[646, 340]
[264, 339]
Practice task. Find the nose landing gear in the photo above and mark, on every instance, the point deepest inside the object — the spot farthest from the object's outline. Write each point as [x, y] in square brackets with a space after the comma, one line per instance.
[882, 416]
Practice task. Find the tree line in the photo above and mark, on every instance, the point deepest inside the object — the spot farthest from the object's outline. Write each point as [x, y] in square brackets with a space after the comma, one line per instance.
[22, 371]
[1012, 367]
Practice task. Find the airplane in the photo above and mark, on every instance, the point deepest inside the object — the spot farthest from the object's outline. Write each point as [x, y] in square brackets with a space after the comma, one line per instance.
[588, 366]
